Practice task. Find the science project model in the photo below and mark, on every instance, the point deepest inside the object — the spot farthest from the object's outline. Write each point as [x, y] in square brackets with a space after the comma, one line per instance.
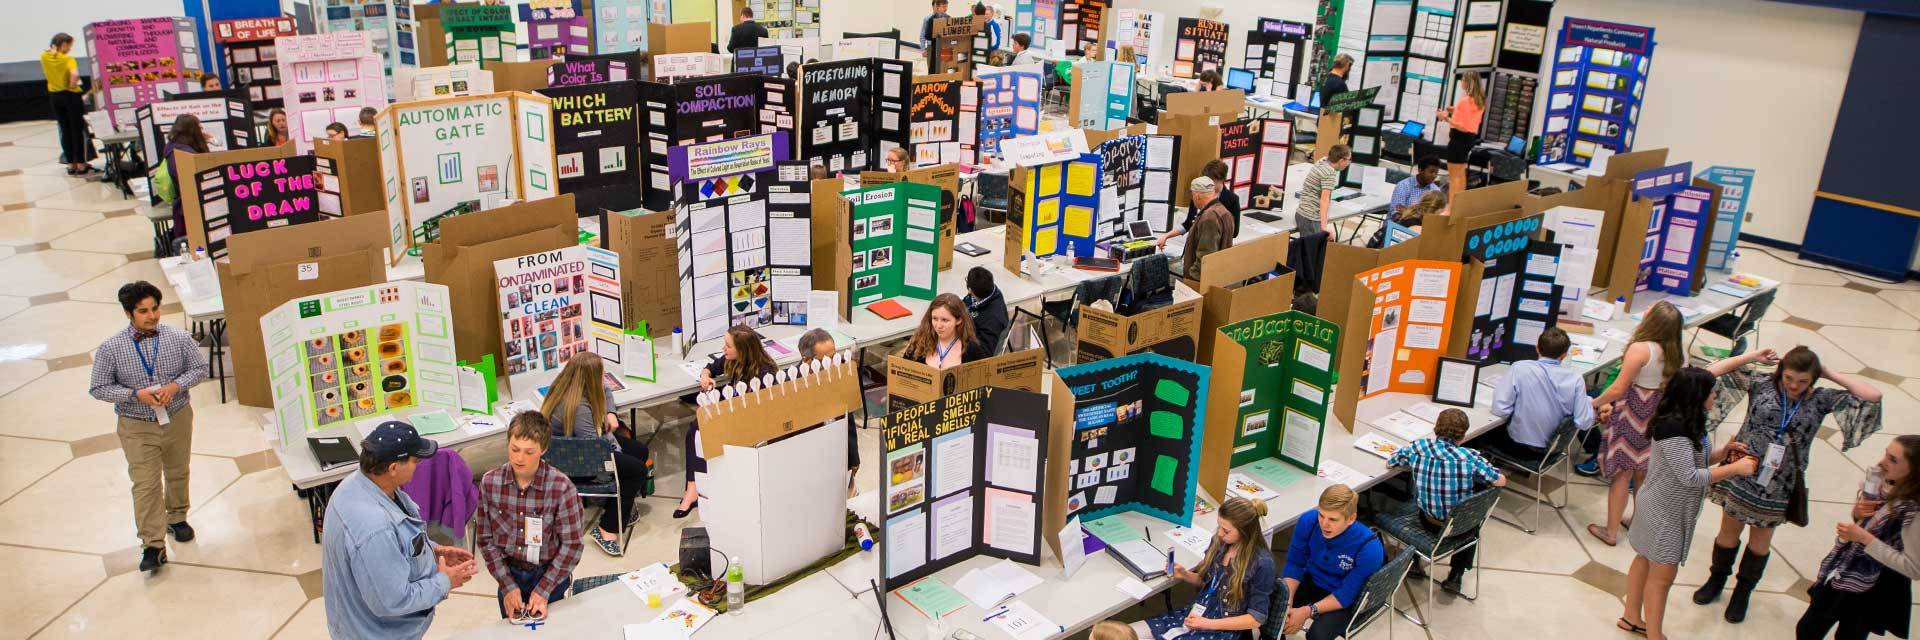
[459, 155]
[1126, 437]
[359, 353]
[743, 227]
[328, 78]
[1599, 75]
[961, 477]
[1275, 367]
[596, 144]
[702, 110]
[138, 61]
[554, 304]
[251, 58]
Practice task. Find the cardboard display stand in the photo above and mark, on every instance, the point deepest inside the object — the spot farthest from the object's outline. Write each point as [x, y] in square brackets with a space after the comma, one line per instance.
[1137, 183]
[596, 144]
[1256, 155]
[702, 110]
[460, 155]
[349, 174]
[892, 240]
[225, 116]
[1275, 367]
[1277, 59]
[1224, 288]
[1599, 77]
[525, 77]
[229, 193]
[1513, 278]
[554, 304]
[1126, 437]
[947, 177]
[1100, 95]
[620, 26]
[1407, 308]
[741, 228]
[1172, 330]
[953, 45]
[961, 477]
[1516, 75]
[1143, 30]
[829, 222]
[358, 353]
[1010, 106]
[551, 29]
[1082, 23]
[853, 111]
[463, 257]
[1673, 251]
[679, 37]
[910, 383]
[478, 33]
[141, 60]
[1196, 117]
[945, 116]
[1059, 212]
[1200, 46]
[266, 268]
[251, 58]
[328, 78]
[451, 81]
[744, 416]
[388, 25]
[1039, 19]
[649, 276]
[793, 19]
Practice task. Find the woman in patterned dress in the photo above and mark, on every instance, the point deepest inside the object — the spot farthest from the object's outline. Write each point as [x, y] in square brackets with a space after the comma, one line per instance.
[1786, 410]
[1669, 501]
[1626, 407]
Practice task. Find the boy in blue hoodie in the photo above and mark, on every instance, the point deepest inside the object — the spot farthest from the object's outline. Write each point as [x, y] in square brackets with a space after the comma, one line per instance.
[1328, 564]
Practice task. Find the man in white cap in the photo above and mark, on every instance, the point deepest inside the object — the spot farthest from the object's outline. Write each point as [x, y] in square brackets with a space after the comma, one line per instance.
[1212, 228]
[382, 577]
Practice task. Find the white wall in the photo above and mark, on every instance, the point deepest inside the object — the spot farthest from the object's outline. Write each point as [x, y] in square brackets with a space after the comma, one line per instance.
[30, 24]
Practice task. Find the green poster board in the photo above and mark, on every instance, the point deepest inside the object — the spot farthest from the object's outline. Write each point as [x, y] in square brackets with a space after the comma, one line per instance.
[894, 234]
[1286, 382]
[477, 32]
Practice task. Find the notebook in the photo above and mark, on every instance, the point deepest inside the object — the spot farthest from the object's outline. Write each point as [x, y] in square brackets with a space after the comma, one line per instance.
[889, 309]
[1140, 558]
[333, 452]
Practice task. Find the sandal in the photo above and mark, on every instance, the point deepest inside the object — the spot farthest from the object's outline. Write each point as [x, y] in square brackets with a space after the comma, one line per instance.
[612, 548]
[1629, 627]
[1600, 533]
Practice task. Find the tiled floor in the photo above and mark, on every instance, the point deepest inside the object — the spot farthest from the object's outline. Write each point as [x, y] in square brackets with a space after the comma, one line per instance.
[66, 532]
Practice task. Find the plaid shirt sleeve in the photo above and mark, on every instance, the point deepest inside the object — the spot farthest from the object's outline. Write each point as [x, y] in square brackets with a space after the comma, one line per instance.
[1482, 469]
[491, 531]
[568, 530]
[1402, 458]
[195, 362]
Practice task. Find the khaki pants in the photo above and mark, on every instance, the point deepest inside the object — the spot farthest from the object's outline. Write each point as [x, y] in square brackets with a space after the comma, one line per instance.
[155, 454]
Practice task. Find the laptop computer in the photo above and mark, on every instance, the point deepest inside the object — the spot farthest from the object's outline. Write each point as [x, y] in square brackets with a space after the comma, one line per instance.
[1413, 129]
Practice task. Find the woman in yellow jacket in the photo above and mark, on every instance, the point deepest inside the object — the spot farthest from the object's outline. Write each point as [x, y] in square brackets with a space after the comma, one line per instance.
[63, 90]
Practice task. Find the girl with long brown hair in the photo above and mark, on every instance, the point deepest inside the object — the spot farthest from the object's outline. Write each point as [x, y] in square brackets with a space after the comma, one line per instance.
[945, 337]
[1653, 355]
[1235, 580]
[1853, 587]
[186, 135]
[742, 358]
[577, 406]
[1784, 410]
[277, 132]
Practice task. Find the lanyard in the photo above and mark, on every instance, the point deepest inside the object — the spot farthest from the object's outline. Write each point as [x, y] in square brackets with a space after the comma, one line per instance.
[1786, 413]
[943, 352]
[144, 362]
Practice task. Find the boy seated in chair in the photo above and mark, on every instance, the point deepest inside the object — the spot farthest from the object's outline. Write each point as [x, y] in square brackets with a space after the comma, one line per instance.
[530, 527]
[1444, 474]
[1328, 564]
[1535, 397]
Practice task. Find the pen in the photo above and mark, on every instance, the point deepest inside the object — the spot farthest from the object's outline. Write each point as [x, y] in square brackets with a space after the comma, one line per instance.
[1003, 611]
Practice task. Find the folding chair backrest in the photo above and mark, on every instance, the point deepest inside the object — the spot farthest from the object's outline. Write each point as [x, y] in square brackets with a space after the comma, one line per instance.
[1277, 609]
[1559, 442]
[580, 456]
[1470, 513]
[1377, 595]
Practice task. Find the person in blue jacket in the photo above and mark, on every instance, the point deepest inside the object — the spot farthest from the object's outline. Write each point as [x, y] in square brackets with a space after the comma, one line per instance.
[381, 574]
[1235, 581]
[993, 26]
[1328, 564]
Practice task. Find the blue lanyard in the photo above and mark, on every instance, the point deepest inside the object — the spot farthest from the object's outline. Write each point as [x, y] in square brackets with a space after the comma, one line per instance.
[144, 362]
[1786, 413]
[943, 352]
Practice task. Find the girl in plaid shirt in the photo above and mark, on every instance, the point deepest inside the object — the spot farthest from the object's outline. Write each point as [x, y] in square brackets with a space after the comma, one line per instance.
[1444, 473]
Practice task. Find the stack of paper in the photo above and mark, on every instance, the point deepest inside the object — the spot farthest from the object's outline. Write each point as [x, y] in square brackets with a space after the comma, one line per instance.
[1195, 540]
[996, 583]
[1245, 487]
[653, 578]
[1377, 445]
[1338, 473]
[1403, 426]
[1587, 349]
[1430, 412]
[685, 615]
[1024, 623]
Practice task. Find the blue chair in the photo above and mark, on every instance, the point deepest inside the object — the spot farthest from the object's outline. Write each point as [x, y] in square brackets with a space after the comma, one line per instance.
[1559, 446]
[588, 461]
[1461, 532]
[1376, 598]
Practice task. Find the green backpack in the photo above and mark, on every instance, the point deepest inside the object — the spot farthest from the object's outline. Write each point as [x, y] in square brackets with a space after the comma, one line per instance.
[163, 186]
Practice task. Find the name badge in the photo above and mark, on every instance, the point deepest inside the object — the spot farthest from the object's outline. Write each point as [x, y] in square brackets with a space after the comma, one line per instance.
[1771, 463]
[534, 536]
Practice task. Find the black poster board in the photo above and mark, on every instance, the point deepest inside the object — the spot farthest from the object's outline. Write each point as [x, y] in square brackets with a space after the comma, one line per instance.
[225, 116]
[982, 433]
[596, 143]
[574, 71]
[709, 109]
[1207, 42]
[941, 110]
[250, 196]
[1136, 441]
[766, 61]
[853, 112]
[1137, 177]
[1518, 296]
[1255, 151]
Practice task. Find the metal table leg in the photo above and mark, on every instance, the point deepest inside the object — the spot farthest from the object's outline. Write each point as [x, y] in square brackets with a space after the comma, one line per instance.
[217, 335]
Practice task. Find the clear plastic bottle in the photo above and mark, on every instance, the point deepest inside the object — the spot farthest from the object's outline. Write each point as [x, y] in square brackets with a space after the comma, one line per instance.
[736, 587]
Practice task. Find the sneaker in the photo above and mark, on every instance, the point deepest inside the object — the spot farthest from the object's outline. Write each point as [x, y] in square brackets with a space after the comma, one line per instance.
[612, 548]
[182, 532]
[1590, 468]
[1451, 584]
[151, 558]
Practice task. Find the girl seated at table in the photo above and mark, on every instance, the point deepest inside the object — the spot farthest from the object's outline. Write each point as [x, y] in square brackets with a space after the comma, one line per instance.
[1328, 564]
[577, 406]
[1235, 581]
[742, 359]
[945, 337]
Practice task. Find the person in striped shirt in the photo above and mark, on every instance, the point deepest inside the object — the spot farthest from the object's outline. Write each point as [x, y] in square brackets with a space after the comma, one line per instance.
[1445, 473]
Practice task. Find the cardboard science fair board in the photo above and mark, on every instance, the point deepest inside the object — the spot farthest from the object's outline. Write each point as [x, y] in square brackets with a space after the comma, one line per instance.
[946, 121]
[1271, 389]
[478, 33]
[551, 29]
[910, 383]
[742, 227]
[350, 355]
[349, 175]
[328, 78]
[892, 235]
[1137, 183]
[743, 416]
[1407, 308]
[703, 110]
[450, 81]
[266, 268]
[236, 192]
[225, 116]
[463, 257]
[1059, 212]
[1199, 46]
[449, 157]
[554, 304]
[1101, 94]
[853, 111]
[1126, 436]
[141, 60]
[596, 144]
[649, 273]
[1255, 151]
[946, 176]
[388, 25]
[1010, 105]
[620, 26]
[961, 477]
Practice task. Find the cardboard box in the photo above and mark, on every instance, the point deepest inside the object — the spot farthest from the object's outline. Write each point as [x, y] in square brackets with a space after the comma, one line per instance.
[1172, 330]
[1196, 118]
[910, 383]
[649, 268]
[262, 271]
[758, 416]
[1097, 137]
[687, 37]
[1225, 302]
[829, 217]
[463, 261]
[187, 165]
[947, 177]
[524, 77]
[427, 28]
[358, 162]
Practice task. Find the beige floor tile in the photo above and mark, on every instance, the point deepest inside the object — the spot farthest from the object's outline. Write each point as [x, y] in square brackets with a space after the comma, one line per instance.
[63, 328]
[309, 624]
[18, 157]
[1831, 475]
[106, 287]
[24, 461]
[96, 197]
[256, 524]
[1905, 299]
[1769, 615]
[45, 272]
[182, 601]
[1844, 307]
[48, 139]
[1867, 454]
[1759, 263]
[33, 226]
[227, 429]
[1897, 352]
[56, 407]
[1549, 549]
[1511, 601]
[14, 373]
[58, 580]
[1805, 546]
[50, 513]
[10, 305]
[28, 188]
[1781, 336]
[1588, 505]
[122, 235]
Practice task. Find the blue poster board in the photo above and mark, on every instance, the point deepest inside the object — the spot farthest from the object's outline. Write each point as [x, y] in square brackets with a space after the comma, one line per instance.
[1596, 80]
[620, 26]
[1668, 260]
[1010, 107]
[1062, 209]
[1734, 184]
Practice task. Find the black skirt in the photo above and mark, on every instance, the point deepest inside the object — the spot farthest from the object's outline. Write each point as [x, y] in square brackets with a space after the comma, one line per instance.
[1460, 144]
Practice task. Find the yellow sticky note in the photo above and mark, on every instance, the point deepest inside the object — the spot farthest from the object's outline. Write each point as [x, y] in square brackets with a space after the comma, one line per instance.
[1403, 354]
[1046, 212]
[1079, 222]
[1049, 181]
[1080, 178]
[1045, 241]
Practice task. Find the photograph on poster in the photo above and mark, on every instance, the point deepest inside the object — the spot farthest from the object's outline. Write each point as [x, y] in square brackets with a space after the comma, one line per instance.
[359, 353]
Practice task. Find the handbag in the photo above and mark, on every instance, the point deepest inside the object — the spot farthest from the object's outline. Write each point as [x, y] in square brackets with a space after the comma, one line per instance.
[1797, 504]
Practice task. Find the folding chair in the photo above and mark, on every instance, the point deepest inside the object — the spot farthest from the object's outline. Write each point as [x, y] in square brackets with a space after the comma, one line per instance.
[1558, 454]
[588, 461]
[1462, 532]
[1376, 598]
[1740, 330]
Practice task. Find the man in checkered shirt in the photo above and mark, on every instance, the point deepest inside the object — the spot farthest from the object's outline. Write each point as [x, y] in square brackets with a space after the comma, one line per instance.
[1444, 474]
[145, 371]
[530, 529]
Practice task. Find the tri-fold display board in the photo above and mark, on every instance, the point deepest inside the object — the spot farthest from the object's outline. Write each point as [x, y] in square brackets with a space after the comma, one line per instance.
[945, 113]
[1144, 31]
[251, 57]
[1598, 78]
[141, 60]
[1137, 183]
[1010, 105]
[953, 48]
[1101, 95]
[234, 192]
[1199, 46]
[328, 78]
[359, 353]
[1272, 386]
[1054, 209]
[910, 383]
[1407, 308]
[892, 238]
[478, 33]
[1081, 24]
[1039, 19]
[450, 81]
[743, 224]
[554, 304]
[596, 144]
[785, 18]
[1517, 293]
[1734, 184]
[1255, 151]
[388, 25]
[620, 26]
[225, 116]
[1126, 437]
[459, 155]
[702, 110]
[1679, 230]
[961, 477]
[552, 28]
[1277, 58]
[853, 111]
[594, 69]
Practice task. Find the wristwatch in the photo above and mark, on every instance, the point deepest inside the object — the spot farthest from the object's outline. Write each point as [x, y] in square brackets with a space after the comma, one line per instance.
[1313, 610]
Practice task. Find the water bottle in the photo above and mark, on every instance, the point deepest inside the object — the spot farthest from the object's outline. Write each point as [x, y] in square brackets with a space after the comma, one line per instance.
[1620, 307]
[199, 253]
[1870, 488]
[679, 344]
[736, 587]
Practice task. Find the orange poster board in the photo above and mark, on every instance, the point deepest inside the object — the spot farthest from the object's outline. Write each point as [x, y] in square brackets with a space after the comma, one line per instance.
[1412, 305]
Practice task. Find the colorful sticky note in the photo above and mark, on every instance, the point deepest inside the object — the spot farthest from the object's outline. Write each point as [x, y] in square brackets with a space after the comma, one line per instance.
[1048, 182]
[1079, 222]
[1164, 468]
[1080, 178]
[1046, 242]
[1046, 212]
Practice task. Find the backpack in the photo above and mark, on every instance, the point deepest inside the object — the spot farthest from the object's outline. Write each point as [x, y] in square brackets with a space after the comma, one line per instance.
[162, 181]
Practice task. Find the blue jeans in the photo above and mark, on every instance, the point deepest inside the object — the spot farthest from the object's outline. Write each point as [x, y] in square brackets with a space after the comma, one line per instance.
[527, 580]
